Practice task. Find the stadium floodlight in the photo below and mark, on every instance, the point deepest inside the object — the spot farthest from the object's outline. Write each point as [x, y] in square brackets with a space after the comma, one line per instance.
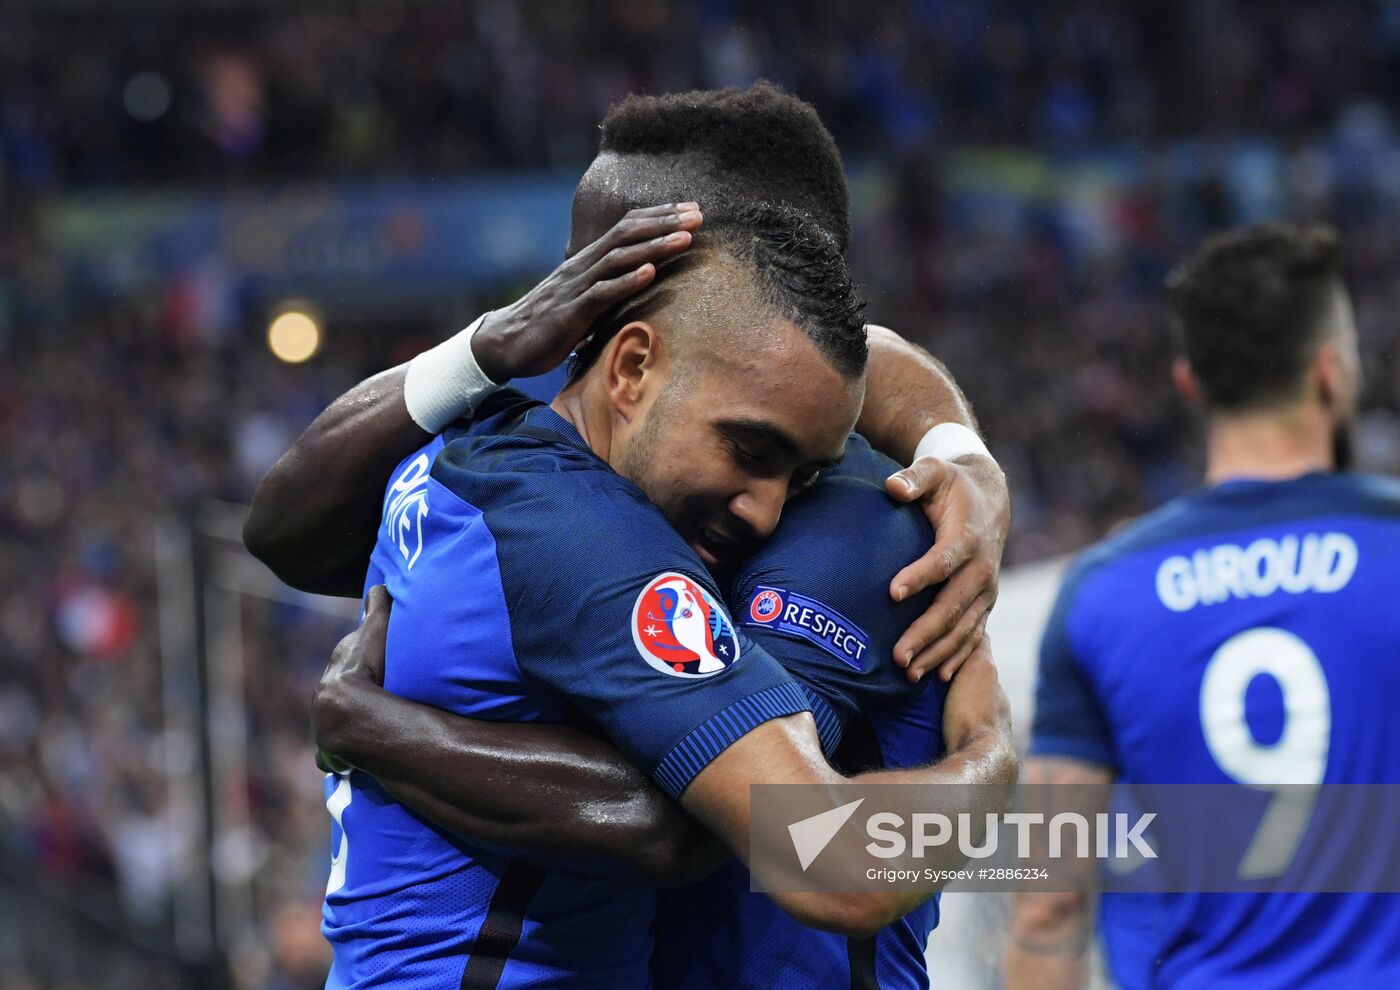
[294, 335]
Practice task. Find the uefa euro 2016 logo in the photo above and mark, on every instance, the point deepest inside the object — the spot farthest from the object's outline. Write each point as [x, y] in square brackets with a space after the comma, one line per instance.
[681, 630]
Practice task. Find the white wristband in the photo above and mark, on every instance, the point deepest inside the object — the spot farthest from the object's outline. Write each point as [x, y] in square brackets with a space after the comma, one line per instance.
[445, 382]
[949, 441]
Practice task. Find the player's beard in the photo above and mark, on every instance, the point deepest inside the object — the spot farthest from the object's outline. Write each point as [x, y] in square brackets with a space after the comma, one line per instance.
[644, 460]
[638, 463]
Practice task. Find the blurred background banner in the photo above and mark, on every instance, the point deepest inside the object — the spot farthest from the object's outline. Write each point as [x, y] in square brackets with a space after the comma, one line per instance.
[426, 238]
[215, 216]
[477, 231]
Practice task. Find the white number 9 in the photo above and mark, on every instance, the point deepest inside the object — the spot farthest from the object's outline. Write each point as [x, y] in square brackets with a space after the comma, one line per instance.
[1293, 767]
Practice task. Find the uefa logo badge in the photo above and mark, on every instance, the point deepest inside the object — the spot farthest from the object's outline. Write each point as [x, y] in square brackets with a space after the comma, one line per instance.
[681, 630]
[766, 606]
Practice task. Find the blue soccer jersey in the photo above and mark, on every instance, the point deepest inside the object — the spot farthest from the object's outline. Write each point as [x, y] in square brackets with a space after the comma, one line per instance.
[529, 578]
[1243, 634]
[817, 598]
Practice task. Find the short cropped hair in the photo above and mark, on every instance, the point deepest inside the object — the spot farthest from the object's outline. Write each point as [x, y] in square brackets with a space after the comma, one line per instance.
[1250, 307]
[792, 266]
[730, 147]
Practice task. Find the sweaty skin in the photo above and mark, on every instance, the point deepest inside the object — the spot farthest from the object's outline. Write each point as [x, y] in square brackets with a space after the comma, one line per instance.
[563, 793]
[807, 401]
[314, 515]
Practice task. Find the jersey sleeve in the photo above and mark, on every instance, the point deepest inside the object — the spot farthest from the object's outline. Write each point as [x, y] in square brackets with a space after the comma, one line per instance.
[817, 598]
[610, 608]
[1069, 720]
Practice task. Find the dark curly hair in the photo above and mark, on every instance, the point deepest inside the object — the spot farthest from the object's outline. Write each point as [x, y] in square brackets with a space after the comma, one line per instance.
[1250, 307]
[799, 271]
[793, 267]
[731, 147]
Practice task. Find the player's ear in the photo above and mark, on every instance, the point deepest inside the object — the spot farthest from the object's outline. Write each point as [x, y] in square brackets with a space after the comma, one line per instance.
[1185, 381]
[633, 364]
[1328, 373]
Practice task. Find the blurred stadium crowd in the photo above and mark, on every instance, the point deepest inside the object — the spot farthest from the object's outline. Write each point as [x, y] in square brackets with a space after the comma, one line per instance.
[1115, 134]
[239, 90]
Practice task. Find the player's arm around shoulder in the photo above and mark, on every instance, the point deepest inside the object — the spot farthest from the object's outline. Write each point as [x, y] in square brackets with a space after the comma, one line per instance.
[977, 727]
[1047, 946]
[915, 413]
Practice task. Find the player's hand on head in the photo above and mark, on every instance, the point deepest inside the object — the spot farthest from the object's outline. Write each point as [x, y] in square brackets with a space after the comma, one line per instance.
[356, 663]
[536, 333]
[969, 506]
